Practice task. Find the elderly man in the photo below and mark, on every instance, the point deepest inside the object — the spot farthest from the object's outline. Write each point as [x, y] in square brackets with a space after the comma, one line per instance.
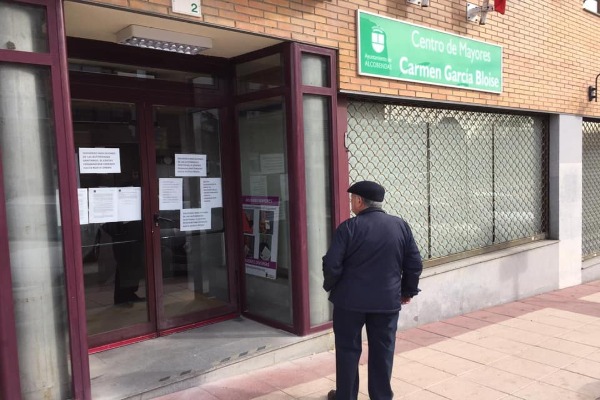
[371, 269]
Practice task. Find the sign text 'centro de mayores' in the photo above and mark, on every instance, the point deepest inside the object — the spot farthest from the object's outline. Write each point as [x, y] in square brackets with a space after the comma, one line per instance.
[389, 48]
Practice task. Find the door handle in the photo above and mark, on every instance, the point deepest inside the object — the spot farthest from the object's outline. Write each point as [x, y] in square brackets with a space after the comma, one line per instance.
[158, 218]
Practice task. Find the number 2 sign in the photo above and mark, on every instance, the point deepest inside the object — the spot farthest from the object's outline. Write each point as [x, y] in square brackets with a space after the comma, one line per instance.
[189, 7]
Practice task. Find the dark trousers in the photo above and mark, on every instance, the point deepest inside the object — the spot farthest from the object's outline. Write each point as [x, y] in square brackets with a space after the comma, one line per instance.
[381, 336]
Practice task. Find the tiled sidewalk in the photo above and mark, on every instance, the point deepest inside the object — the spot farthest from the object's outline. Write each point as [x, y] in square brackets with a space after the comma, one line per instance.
[546, 347]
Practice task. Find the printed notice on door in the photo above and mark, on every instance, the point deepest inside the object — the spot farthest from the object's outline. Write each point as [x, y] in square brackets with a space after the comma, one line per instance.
[210, 193]
[190, 164]
[103, 205]
[82, 197]
[194, 219]
[261, 231]
[170, 193]
[99, 160]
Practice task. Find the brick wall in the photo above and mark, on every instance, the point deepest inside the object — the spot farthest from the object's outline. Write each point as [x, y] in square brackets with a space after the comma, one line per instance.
[550, 54]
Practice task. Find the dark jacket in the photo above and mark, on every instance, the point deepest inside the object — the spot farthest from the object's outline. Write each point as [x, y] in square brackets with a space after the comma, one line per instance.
[372, 262]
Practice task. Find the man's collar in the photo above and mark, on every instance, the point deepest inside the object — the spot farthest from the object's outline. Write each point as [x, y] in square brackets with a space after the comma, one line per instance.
[371, 209]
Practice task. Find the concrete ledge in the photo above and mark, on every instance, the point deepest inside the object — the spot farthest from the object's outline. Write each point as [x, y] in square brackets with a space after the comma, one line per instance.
[590, 270]
[483, 281]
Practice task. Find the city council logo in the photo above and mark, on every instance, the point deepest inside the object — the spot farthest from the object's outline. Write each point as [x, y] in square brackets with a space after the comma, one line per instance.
[377, 39]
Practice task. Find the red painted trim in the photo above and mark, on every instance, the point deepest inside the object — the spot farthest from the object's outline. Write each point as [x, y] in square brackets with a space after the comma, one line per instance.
[297, 187]
[69, 202]
[341, 165]
[25, 58]
[10, 384]
[122, 343]
[200, 324]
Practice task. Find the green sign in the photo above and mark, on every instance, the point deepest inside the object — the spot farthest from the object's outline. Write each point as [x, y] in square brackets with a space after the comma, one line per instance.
[388, 48]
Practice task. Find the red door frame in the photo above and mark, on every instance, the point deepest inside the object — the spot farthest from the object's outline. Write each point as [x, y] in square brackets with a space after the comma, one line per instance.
[292, 92]
[56, 61]
[145, 93]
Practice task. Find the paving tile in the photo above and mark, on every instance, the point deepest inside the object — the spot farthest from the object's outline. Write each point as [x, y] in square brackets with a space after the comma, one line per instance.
[547, 357]
[286, 374]
[404, 345]
[444, 329]
[278, 395]
[567, 346]
[420, 336]
[500, 344]
[449, 363]
[196, 393]
[589, 339]
[423, 395]
[535, 327]
[420, 353]
[544, 391]
[518, 335]
[323, 363]
[592, 297]
[500, 380]
[402, 388]
[420, 375]
[400, 361]
[487, 316]
[594, 356]
[242, 387]
[571, 315]
[467, 322]
[585, 367]
[515, 309]
[552, 320]
[475, 353]
[304, 389]
[577, 291]
[575, 382]
[460, 388]
[526, 368]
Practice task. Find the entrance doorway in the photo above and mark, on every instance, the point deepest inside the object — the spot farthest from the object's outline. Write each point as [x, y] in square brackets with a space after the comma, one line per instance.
[153, 209]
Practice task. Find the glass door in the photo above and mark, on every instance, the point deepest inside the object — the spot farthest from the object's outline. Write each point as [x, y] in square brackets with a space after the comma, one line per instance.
[110, 191]
[189, 222]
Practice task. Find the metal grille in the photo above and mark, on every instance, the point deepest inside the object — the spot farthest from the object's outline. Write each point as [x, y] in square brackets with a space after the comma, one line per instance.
[463, 180]
[591, 189]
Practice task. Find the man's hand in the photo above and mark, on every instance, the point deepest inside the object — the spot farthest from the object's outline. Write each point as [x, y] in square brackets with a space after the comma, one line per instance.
[405, 300]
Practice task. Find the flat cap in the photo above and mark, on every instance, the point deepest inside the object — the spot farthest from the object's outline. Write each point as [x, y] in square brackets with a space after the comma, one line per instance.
[368, 190]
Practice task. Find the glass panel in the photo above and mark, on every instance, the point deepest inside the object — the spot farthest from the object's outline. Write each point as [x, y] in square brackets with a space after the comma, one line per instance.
[318, 200]
[315, 70]
[35, 241]
[23, 27]
[140, 72]
[263, 159]
[112, 231]
[188, 165]
[261, 74]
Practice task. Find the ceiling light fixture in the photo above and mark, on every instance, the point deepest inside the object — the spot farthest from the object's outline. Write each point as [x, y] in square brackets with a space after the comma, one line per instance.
[159, 39]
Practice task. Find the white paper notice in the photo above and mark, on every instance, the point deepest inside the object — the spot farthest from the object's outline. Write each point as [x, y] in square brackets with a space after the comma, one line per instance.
[170, 193]
[103, 205]
[210, 193]
[82, 197]
[258, 185]
[190, 164]
[129, 206]
[99, 160]
[272, 163]
[194, 219]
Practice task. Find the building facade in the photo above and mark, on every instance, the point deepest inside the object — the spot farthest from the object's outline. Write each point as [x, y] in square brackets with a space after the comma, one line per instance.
[169, 164]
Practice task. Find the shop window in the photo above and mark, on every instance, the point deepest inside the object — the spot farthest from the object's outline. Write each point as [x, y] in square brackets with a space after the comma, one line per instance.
[464, 181]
